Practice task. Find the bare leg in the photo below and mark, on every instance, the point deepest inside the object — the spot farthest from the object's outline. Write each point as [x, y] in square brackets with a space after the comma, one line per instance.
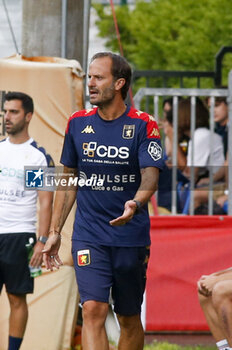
[94, 335]
[132, 334]
[18, 315]
[200, 197]
[212, 317]
[222, 301]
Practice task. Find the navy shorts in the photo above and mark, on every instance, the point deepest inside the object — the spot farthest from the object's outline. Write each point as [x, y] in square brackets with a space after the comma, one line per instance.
[100, 268]
[14, 270]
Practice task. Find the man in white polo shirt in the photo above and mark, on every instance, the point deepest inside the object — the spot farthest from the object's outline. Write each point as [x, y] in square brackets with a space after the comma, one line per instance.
[18, 211]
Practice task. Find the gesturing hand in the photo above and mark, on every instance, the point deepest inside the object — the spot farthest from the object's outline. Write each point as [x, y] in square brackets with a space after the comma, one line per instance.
[50, 252]
[129, 211]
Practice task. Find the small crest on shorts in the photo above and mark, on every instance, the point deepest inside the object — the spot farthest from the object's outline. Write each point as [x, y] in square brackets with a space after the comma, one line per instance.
[83, 257]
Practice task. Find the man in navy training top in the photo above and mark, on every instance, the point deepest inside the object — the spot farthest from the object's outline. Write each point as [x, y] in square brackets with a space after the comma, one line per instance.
[115, 151]
[18, 211]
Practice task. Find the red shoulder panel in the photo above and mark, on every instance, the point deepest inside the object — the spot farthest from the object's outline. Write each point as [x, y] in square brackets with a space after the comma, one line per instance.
[82, 113]
[151, 125]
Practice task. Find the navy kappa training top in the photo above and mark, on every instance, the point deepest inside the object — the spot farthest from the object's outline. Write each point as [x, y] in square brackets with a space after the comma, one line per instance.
[109, 156]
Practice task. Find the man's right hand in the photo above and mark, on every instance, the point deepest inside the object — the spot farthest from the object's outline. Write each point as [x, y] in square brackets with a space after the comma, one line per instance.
[50, 252]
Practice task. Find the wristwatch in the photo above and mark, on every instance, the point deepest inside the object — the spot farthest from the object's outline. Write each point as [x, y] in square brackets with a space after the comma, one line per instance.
[42, 239]
[138, 206]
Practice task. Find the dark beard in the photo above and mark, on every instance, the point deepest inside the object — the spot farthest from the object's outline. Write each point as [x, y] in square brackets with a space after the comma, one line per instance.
[106, 103]
[107, 97]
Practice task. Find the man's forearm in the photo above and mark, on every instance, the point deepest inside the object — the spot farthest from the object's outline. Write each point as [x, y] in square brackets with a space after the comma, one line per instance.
[149, 184]
[64, 201]
[45, 212]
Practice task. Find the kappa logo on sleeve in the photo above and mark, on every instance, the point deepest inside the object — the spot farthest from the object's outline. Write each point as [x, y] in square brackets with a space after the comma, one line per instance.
[83, 257]
[155, 150]
[155, 132]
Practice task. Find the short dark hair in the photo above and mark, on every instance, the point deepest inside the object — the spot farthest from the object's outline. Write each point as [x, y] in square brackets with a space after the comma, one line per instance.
[184, 115]
[27, 102]
[120, 69]
[219, 99]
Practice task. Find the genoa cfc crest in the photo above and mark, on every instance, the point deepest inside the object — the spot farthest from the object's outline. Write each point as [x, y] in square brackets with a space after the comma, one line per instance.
[83, 257]
[128, 131]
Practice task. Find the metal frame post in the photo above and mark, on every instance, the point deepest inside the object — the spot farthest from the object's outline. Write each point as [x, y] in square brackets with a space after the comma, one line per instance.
[210, 195]
[192, 168]
[174, 154]
[64, 29]
[229, 143]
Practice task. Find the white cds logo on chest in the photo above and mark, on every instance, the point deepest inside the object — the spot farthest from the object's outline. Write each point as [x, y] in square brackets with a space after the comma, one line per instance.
[91, 149]
[155, 150]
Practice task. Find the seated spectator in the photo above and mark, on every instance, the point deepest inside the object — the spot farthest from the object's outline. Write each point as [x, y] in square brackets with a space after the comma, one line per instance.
[221, 128]
[220, 194]
[215, 297]
[221, 119]
[165, 182]
[182, 140]
[219, 176]
[168, 131]
[201, 140]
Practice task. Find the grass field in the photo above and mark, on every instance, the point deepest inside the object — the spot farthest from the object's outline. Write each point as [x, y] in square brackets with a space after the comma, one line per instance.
[164, 346]
[168, 346]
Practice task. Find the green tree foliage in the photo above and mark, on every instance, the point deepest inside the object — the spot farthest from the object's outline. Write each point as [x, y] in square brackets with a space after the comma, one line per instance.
[170, 34]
